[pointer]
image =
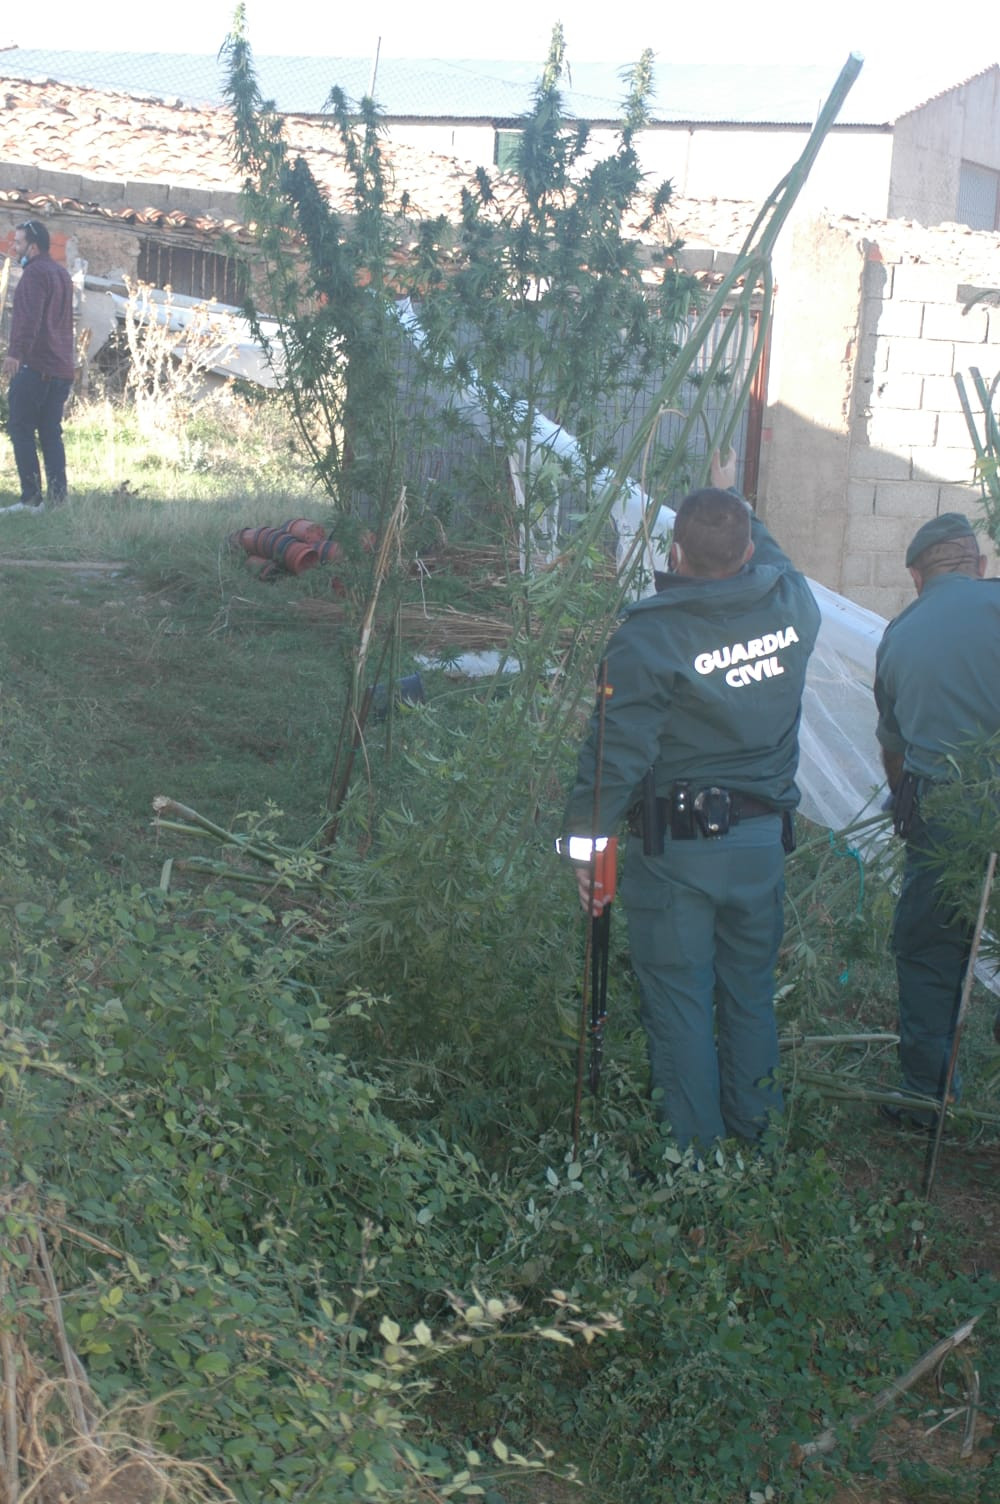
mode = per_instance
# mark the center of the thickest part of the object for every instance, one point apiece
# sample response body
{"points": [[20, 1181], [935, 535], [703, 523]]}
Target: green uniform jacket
{"points": [[704, 683], [937, 673]]}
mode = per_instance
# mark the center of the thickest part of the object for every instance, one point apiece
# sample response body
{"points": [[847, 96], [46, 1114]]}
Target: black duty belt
{"points": [[746, 807], [689, 811], [741, 806]]}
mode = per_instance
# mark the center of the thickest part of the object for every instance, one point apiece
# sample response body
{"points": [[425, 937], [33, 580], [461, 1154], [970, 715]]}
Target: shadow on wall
{"points": [[845, 510]]}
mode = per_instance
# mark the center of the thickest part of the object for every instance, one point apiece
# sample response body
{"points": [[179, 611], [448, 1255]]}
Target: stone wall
{"points": [[119, 194], [109, 239], [864, 434], [105, 221]]}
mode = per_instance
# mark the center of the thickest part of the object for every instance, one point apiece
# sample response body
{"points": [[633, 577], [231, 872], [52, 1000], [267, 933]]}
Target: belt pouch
{"points": [[682, 826]]}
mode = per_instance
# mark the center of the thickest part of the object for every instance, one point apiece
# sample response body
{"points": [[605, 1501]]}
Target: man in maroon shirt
{"points": [[39, 363]]}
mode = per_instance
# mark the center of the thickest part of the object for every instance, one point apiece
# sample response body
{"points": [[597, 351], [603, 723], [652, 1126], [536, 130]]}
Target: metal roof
{"points": [[457, 89]]}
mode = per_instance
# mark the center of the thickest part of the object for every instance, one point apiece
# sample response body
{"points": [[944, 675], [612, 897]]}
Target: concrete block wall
{"points": [[930, 144], [864, 435], [910, 453]]}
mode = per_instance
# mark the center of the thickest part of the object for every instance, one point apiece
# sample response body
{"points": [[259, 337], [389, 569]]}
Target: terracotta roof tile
{"points": [[111, 137]]}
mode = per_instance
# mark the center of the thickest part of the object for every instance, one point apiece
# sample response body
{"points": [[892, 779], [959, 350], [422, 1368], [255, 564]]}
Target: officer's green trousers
{"points": [[705, 921], [932, 949]]}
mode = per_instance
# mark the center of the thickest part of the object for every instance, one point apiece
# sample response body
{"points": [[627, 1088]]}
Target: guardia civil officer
{"points": [[937, 687], [701, 717]]}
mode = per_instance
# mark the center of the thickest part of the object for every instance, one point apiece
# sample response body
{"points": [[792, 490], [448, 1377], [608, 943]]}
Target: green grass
{"points": [[177, 672], [268, 1100]]}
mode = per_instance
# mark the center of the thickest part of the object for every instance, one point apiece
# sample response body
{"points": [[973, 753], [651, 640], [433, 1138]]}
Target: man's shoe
{"points": [[18, 506], [908, 1118], [37, 509]]}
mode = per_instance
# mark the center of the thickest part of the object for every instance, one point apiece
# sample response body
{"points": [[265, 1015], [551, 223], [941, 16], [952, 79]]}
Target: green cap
{"points": [[950, 525]]}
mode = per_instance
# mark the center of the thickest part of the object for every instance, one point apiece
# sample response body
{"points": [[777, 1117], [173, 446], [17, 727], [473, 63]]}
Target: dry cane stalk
{"points": [[390, 539], [81, 1399], [827, 1440], [963, 1008], [971, 1409], [10, 1482]]}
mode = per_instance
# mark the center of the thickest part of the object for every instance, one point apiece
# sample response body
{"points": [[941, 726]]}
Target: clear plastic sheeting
{"points": [[840, 768], [236, 354]]}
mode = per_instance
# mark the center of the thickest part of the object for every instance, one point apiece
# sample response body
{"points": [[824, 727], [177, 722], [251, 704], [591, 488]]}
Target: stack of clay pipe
{"points": [[291, 548]]}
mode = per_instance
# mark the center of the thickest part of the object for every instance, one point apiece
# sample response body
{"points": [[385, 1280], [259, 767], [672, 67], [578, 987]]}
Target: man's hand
{"points": [[722, 472], [583, 882], [11, 366], [893, 764]]}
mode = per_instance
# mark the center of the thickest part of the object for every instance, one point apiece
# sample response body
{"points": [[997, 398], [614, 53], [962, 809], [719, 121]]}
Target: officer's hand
{"points": [[11, 366], [723, 471], [583, 878]]}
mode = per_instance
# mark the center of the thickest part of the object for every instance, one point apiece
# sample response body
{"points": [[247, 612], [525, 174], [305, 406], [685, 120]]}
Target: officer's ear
{"points": [[748, 555], [917, 578], [675, 558], [981, 567]]}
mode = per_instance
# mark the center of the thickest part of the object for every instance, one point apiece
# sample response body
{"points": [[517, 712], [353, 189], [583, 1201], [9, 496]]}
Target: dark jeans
{"points": [[36, 407]]}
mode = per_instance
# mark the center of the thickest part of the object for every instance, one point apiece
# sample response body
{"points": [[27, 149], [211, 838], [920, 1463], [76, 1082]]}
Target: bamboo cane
{"points": [[963, 1008], [9, 1454]]}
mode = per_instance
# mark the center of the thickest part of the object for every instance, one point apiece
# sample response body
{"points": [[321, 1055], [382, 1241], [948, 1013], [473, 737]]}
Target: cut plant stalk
{"points": [[359, 702], [841, 1088], [987, 448], [963, 1009], [292, 867], [827, 1440]]}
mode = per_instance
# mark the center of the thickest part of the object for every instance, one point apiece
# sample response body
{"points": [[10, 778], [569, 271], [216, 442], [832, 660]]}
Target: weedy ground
{"points": [[303, 1145]]}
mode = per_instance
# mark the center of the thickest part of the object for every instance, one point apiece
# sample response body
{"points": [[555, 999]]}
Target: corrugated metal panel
{"points": [[978, 197]]}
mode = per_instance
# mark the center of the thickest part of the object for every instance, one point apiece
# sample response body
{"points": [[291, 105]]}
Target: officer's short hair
{"points": [[713, 529], [953, 556], [36, 233]]}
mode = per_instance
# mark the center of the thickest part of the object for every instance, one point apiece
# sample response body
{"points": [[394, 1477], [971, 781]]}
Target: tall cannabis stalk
{"points": [[535, 302], [541, 302], [325, 278]]}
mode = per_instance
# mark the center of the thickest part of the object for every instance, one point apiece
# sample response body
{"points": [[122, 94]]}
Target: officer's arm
{"points": [[722, 473], [766, 550], [893, 764], [636, 708]]}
